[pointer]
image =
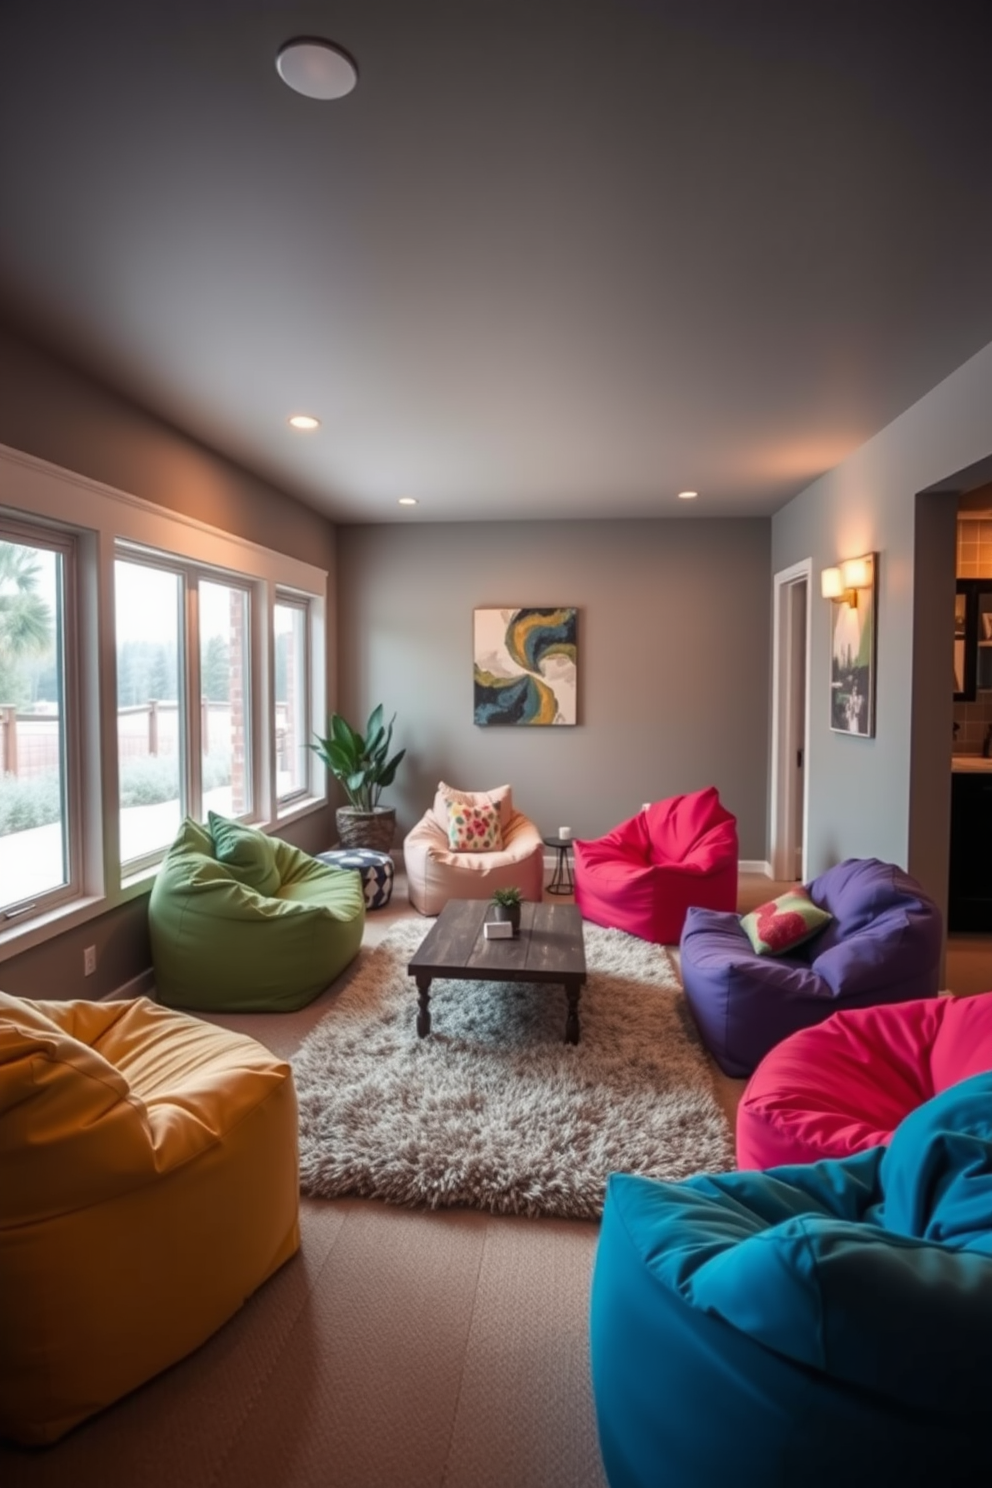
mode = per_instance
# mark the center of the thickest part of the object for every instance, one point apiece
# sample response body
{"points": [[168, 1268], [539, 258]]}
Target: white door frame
{"points": [[784, 739]]}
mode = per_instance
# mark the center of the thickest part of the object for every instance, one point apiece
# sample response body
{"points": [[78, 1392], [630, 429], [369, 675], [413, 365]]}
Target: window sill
{"points": [[16, 937], [307, 806], [25, 935]]}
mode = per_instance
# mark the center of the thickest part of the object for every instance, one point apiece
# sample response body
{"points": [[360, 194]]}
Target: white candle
{"points": [[564, 833]]}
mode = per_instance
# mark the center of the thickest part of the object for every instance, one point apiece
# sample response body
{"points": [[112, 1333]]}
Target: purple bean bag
{"points": [[882, 945]]}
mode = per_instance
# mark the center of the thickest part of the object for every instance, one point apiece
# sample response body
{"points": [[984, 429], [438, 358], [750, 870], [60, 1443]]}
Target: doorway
{"points": [[790, 720]]}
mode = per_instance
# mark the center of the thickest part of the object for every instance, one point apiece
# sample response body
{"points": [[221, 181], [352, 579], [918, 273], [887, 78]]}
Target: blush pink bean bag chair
{"points": [[844, 1085], [435, 872], [643, 876]]}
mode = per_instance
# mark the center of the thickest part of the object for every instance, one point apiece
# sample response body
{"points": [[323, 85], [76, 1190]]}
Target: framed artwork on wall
{"points": [[853, 626], [525, 666]]}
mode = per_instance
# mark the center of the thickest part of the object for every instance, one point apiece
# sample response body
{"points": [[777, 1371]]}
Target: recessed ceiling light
{"points": [[688, 495], [408, 501], [316, 68], [304, 421]]}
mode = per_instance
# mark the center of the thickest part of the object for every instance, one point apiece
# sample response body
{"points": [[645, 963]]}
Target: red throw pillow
{"points": [[782, 923]]}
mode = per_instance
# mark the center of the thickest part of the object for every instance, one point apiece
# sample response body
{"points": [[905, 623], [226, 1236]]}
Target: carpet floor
{"points": [[493, 1109]]}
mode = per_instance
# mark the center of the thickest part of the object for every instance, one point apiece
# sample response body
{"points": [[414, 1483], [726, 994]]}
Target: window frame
{"points": [[96, 518], [288, 599], [188, 780], [253, 751], [29, 533], [193, 575]]}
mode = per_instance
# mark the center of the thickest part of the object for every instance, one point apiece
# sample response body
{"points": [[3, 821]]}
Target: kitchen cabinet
{"points": [[969, 904], [972, 639]]}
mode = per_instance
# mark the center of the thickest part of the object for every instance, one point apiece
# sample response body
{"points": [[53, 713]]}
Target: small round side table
{"points": [[561, 879]]}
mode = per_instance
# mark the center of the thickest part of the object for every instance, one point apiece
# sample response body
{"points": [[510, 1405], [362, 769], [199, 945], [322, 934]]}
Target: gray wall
{"points": [[673, 661], [49, 410], [863, 792]]}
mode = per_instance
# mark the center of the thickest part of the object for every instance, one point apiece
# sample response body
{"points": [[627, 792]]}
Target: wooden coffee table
{"points": [[548, 949]]}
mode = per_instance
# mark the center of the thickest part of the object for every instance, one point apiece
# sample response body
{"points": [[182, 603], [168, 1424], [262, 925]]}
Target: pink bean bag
{"points": [[643, 876], [845, 1084]]}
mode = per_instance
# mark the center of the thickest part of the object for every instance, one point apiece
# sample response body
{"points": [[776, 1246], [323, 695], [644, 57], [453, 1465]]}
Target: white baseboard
{"points": [[744, 865]]}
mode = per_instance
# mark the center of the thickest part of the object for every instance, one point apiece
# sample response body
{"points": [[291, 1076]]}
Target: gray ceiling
{"points": [[552, 258]]}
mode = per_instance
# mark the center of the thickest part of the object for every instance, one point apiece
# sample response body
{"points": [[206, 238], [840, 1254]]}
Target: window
{"points": [[160, 734], [225, 712], [39, 809], [150, 722], [96, 774], [292, 697]]}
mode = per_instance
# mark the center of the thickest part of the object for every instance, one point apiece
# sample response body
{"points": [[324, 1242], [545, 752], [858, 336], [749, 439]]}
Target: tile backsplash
{"points": [[975, 549], [974, 719]]}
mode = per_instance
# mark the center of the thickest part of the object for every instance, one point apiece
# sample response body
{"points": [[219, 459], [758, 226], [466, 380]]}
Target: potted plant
{"points": [[362, 764], [506, 906]]}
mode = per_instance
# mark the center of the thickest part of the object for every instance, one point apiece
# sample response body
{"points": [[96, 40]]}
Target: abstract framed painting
{"points": [[853, 625], [525, 667]]}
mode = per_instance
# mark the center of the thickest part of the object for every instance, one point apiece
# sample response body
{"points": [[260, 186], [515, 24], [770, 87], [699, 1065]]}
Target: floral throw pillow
{"points": [[474, 828], [784, 922]]}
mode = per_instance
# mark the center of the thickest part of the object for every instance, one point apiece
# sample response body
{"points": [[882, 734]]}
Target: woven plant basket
{"points": [[374, 829]]}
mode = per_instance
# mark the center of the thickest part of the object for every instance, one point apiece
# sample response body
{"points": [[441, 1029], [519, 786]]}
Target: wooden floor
{"points": [[968, 968]]}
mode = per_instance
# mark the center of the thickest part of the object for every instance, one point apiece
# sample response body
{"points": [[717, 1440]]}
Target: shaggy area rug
{"points": [[493, 1110]]}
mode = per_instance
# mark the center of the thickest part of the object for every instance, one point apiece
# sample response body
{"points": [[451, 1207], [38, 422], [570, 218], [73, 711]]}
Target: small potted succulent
{"points": [[506, 906]]}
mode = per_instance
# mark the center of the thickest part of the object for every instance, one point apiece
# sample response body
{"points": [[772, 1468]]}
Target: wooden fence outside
{"points": [[29, 742]]}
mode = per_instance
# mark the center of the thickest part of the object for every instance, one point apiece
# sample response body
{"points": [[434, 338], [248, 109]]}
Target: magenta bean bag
{"points": [[643, 876], [845, 1084]]}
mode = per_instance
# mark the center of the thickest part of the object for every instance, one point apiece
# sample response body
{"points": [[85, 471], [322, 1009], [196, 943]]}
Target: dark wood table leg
{"points": [[572, 1017], [424, 1004], [561, 879]]}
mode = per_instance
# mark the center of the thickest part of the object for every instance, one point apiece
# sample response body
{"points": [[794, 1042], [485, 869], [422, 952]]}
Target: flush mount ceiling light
{"points": [[408, 501], [316, 68], [304, 421], [688, 495]]}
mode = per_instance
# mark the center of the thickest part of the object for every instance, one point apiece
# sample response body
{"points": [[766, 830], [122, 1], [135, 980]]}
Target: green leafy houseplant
{"points": [[364, 766], [506, 906], [360, 762], [507, 897]]}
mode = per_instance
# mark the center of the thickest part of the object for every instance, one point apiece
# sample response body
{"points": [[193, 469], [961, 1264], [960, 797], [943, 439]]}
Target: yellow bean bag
{"points": [[148, 1185]]}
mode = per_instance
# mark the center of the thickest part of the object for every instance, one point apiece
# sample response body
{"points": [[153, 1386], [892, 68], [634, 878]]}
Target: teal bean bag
{"points": [[807, 1327], [242, 922]]}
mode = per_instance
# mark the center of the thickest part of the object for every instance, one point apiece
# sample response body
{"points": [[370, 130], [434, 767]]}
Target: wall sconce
{"points": [[842, 584]]}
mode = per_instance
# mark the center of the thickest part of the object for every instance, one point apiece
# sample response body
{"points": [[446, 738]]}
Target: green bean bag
{"points": [[241, 922]]}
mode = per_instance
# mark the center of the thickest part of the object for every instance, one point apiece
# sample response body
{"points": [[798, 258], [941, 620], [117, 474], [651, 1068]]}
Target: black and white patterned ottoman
{"points": [[376, 869]]}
